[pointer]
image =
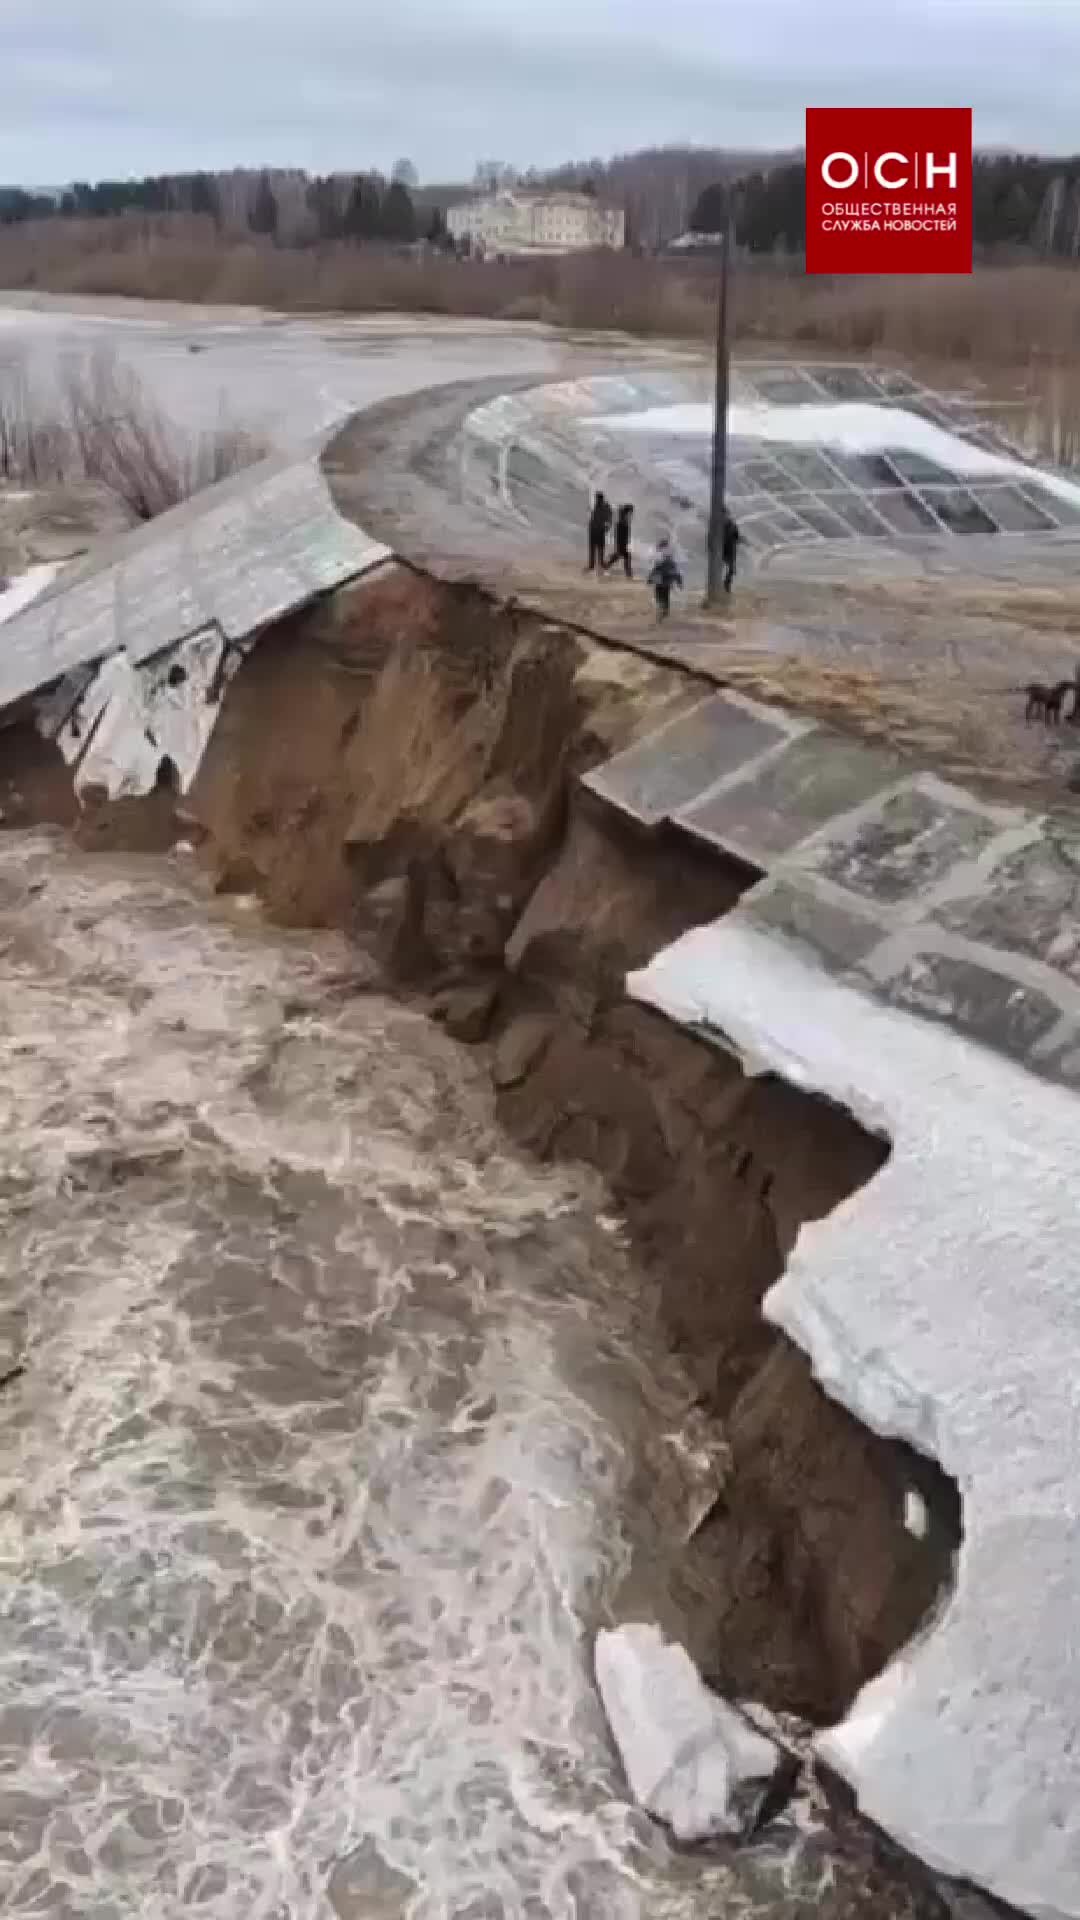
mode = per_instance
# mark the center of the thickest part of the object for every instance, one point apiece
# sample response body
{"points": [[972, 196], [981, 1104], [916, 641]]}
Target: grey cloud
{"points": [[115, 86]]}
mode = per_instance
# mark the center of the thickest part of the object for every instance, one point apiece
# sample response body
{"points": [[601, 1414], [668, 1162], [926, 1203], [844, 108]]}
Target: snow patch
{"points": [[851, 427], [940, 1305], [690, 1759]]}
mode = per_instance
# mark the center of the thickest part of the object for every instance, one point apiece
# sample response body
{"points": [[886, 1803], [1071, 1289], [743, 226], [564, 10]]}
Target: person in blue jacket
{"points": [[663, 576]]}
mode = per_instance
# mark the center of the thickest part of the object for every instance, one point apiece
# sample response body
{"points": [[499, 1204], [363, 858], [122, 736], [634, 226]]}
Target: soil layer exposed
{"points": [[401, 761], [428, 800]]}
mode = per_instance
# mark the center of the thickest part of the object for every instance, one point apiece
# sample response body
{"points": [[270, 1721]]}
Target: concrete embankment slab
{"points": [[658, 776], [913, 889], [237, 555]]}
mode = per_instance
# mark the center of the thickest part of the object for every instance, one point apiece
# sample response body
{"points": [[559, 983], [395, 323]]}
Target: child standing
{"points": [[663, 576]]}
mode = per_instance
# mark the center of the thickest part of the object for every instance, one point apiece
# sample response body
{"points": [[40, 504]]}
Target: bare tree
{"points": [[34, 445], [119, 439]]}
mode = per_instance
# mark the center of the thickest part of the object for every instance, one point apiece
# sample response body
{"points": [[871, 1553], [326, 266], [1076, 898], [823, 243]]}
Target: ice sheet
{"points": [[941, 1305]]}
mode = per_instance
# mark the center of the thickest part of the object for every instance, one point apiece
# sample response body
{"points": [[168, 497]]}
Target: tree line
{"points": [[290, 207], [656, 188], [1019, 201]]}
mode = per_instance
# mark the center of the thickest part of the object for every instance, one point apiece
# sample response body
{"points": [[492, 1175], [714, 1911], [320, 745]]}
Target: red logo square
{"points": [[888, 190]]}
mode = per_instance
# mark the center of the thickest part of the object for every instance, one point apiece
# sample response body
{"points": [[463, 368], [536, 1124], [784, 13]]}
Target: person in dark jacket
{"points": [[599, 528], [730, 550], [622, 542], [663, 576]]}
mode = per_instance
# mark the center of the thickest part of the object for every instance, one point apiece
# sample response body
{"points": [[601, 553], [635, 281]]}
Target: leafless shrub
{"points": [[103, 427], [126, 444], [34, 447]]}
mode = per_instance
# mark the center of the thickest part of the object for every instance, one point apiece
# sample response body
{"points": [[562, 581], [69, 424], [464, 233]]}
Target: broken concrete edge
{"points": [[691, 1759], [123, 727], [124, 720], [239, 555], [904, 884], [950, 1325]]}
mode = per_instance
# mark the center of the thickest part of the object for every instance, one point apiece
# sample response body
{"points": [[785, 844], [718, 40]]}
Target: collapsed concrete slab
{"points": [[961, 910], [136, 644], [690, 1759], [121, 726], [940, 1305]]}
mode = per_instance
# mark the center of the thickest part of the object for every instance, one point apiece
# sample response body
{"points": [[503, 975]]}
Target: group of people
{"points": [[665, 574]]}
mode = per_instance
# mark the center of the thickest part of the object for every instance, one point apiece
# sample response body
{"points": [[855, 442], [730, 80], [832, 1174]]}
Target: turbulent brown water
{"points": [[338, 1428]]}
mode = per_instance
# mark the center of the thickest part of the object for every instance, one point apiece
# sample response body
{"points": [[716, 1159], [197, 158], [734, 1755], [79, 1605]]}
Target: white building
{"points": [[519, 221]]}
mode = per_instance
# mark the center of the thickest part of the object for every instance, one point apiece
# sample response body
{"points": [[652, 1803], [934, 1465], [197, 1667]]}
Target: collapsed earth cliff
{"points": [[402, 760]]}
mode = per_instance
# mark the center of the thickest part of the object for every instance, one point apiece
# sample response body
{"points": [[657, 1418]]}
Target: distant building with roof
{"points": [[535, 221]]}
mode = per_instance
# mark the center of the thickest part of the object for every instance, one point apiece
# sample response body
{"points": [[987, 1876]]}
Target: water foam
{"points": [[314, 1488]]}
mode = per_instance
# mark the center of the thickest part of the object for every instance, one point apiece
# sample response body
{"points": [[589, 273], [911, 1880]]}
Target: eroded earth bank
{"points": [[398, 766]]}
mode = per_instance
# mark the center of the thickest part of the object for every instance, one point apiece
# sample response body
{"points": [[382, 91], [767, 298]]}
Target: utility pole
{"points": [[720, 421]]}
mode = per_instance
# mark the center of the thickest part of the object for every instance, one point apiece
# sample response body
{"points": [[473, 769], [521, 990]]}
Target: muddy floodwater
{"points": [[285, 377], [336, 1428]]}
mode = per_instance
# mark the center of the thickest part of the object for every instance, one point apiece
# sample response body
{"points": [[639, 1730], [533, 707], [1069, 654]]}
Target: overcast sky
{"points": [[114, 87]]}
